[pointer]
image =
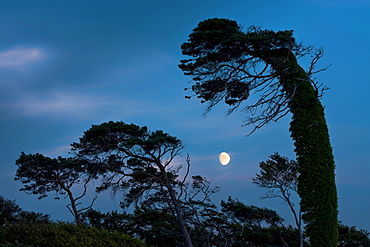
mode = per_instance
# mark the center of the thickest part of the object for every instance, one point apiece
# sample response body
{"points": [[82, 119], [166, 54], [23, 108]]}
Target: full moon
{"points": [[224, 158]]}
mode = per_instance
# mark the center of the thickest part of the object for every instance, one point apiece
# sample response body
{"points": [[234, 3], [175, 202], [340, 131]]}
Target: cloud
{"points": [[56, 103], [58, 151], [75, 105], [18, 57]]}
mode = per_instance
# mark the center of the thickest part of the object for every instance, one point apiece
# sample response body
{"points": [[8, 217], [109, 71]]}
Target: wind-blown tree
{"points": [[127, 154], [42, 175], [229, 64], [280, 176]]}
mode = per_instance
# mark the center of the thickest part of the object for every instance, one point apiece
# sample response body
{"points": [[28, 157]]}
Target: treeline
{"points": [[234, 225]]}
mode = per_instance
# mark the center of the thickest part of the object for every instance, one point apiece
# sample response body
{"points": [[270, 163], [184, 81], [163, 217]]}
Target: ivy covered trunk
{"points": [[310, 134]]}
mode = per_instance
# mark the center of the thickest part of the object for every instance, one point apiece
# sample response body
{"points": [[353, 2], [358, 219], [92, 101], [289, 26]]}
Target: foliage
{"points": [[111, 221], [351, 237], [11, 213], [157, 227], [62, 234], [277, 173], [8, 211], [228, 64], [41, 175], [250, 214], [32, 217], [154, 221], [235, 225]]}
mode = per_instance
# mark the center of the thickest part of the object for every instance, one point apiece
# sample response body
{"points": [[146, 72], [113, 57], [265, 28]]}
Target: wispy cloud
{"points": [[74, 105], [58, 151], [20, 56], [56, 103]]}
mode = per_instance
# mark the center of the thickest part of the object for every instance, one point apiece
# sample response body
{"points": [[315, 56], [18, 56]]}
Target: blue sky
{"points": [[65, 65]]}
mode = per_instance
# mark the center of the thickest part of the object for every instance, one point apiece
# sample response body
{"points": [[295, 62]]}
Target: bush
{"points": [[63, 234]]}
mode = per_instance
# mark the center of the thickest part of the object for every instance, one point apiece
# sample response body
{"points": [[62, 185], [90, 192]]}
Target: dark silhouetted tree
{"points": [[11, 214], [8, 211], [41, 175], [132, 157], [229, 64], [351, 237], [255, 226], [280, 176]]}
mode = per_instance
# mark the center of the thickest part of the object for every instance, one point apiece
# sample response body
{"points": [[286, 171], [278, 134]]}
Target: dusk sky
{"points": [[65, 65]]}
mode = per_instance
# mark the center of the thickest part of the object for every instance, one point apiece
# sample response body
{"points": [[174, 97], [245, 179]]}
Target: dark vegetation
{"points": [[136, 164], [162, 208]]}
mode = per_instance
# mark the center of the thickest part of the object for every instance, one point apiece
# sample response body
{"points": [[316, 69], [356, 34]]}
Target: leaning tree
{"points": [[133, 157], [228, 64]]}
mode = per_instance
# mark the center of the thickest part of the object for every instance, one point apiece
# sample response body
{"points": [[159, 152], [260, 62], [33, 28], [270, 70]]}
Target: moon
{"points": [[224, 158]]}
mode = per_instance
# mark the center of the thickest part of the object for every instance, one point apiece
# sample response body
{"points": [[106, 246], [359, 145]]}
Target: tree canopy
{"points": [[41, 175], [228, 64], [133, 157]]}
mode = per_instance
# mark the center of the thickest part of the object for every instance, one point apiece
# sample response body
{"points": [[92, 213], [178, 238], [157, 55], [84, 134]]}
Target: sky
{"points": [[66, 65]]}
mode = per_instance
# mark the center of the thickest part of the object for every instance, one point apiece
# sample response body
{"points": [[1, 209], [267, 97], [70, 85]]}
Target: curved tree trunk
{"points": [[176, 206], [316, 183], [179, 214], [74, 210]]}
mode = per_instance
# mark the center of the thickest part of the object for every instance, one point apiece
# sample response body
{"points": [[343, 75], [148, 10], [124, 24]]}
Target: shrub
{"points": [[63, 234]]}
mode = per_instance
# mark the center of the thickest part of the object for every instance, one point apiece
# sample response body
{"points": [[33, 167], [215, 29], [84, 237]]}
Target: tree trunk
{"points": [[74, 210], [177, 207], [316, 183], [300, 230], [179, 214]]}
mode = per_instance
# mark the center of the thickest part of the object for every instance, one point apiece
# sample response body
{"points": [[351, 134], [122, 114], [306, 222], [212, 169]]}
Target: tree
{"points": [[11, 214], [280, 176], [228, 64], [201, 213], [118, 150], [8, 211], [254, 226], [33, 217], [351, 237], [250, 214], [153, 220], [42, 175]]}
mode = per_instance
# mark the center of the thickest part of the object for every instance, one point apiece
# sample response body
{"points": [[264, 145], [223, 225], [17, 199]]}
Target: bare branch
{"points": [[182, 183]]}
